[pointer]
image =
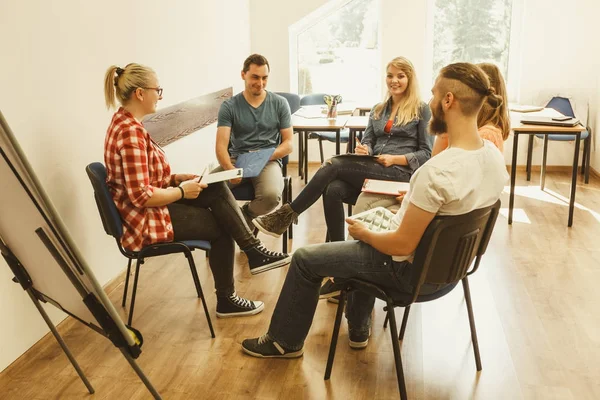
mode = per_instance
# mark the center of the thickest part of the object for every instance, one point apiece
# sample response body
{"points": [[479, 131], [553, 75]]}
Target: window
{"points": [[475, 31], [336, 51]]}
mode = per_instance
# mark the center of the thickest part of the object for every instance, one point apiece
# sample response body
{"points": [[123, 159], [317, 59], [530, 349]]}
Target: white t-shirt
{"points": [[455, 182]]}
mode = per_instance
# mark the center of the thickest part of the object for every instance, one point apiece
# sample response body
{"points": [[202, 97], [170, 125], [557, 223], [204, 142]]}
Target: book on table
{"points": [[392, 188]]}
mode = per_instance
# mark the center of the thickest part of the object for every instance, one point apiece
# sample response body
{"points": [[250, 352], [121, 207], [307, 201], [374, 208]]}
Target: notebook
{"points": [[552, 121], [377, 219], [253, 162], [385, 187], [222, 176]]}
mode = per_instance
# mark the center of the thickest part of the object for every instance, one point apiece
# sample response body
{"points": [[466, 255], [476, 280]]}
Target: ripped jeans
{"points": [[340, 180]]}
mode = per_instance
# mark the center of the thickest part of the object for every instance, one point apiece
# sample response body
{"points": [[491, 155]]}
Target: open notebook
{"points": [[392, 188]]}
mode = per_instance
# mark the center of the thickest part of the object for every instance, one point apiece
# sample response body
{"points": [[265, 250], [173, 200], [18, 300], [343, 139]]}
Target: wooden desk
{"points": [[355, 124], [304, 125], [525, 129]]}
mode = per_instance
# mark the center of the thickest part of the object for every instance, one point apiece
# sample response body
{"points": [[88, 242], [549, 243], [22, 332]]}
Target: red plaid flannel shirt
{"points": [[135, 165]]}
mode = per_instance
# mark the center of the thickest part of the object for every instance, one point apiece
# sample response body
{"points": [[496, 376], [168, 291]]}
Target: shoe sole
{"points": [[358, 345], [278, 264], [332, 300], [263, 230], [243, 313], [330, 295], [294, 354]]}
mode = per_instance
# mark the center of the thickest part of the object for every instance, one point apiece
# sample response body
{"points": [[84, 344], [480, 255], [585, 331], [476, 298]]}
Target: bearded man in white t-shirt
{"points": [[469, 175]]}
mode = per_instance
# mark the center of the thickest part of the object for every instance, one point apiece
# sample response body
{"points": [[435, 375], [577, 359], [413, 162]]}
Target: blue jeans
{"points": [[299, 296]]}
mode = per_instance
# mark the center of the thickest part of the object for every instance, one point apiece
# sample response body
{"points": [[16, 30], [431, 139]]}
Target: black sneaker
{"points": [[260, 259], [358, 340], [235, 306], [330, 289], [265, 347]]}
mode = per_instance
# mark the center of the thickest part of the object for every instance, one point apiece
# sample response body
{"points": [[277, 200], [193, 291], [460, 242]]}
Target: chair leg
{"points": [[199, 290], [465, 283], [321, 151], [396, 347], [584, 157], [126, 283], [194, 272], [284, 200], [334, 336], [529, 156], [133, 293], [349, 210], [387, 318], [404, 322]]}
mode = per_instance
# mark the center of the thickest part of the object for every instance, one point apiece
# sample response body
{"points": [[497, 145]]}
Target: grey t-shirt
{"points": [[254, 128]]}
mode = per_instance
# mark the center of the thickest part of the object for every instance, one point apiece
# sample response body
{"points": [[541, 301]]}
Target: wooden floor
{"points": [[536, 307]]}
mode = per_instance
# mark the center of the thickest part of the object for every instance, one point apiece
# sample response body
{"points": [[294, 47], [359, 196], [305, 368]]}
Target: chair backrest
{"points": [[293, 100], [313, 99], [450, 244], [562, 105], [111, 219]]}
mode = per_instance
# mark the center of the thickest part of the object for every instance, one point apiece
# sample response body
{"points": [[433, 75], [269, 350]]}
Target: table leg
{"points": [[337, 142], [352, 140], [574, 179], [305, 158], [300, 154], [529, 156], [513, 177], [544, 160]]}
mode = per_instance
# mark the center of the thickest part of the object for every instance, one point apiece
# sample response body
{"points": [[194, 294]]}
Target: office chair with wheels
{"points": [[443, 257], [113, 226]]}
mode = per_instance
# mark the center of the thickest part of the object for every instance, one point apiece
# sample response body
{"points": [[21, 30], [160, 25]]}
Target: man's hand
{"points": [[357, 229], [235, 181]]}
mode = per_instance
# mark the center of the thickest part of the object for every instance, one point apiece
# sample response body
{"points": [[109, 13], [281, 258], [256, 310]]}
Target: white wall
{"points": [[547, 25], [54, 55]]}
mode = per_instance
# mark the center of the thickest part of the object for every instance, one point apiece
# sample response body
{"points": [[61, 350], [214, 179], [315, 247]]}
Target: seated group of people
{"points": [[466, 173]]}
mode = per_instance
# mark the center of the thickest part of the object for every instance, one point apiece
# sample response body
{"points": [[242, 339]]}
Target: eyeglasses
{"points": [[159, 90]]}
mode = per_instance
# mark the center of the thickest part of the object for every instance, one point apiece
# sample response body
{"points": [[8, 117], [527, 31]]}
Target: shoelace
{"points": [[264, 339], [240, 301], [268, 252]]}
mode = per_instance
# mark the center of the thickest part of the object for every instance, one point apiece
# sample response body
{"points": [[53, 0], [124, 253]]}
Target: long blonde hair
{"points": [[498, 116], [410, 106], [120, 83]]}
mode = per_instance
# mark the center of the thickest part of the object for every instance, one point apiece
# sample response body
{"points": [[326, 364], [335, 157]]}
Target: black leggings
{"points": [[214, 216], [340, 180]]}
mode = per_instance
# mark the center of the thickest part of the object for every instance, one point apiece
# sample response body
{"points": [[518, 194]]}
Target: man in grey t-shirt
{"points": [[252, 120]]}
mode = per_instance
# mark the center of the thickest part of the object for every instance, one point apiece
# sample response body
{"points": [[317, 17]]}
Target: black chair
{"points": [[315, 99], [245, 192], [442, 258], [111, 220], [563, 106]]}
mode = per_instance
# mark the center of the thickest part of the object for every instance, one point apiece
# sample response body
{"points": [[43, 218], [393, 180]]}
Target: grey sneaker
{"points": [[265, 347], [277, 222]]}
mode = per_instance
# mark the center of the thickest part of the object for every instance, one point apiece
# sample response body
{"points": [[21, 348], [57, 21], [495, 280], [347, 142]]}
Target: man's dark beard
{"points": [[436, 124]]}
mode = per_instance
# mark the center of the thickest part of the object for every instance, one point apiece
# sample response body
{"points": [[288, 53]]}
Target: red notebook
{"points": [[392, 188]]}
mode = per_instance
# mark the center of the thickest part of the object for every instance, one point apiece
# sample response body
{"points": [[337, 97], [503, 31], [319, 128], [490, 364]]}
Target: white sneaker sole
{"points": [[243, 313], [358, 345], [263, 230], [277, 264], [294, 354], [330, 295]]}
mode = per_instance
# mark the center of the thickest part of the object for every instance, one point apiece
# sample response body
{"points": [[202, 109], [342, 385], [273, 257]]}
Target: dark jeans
{"points": [[340, 180], [214, 216], [298, 299]]}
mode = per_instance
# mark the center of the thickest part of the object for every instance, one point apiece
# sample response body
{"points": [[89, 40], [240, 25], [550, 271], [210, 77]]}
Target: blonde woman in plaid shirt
{"points": [[158, 206]]}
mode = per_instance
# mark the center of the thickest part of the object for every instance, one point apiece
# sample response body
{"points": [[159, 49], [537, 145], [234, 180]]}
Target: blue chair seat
{"points": [[330, 136], [565, 138]]}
